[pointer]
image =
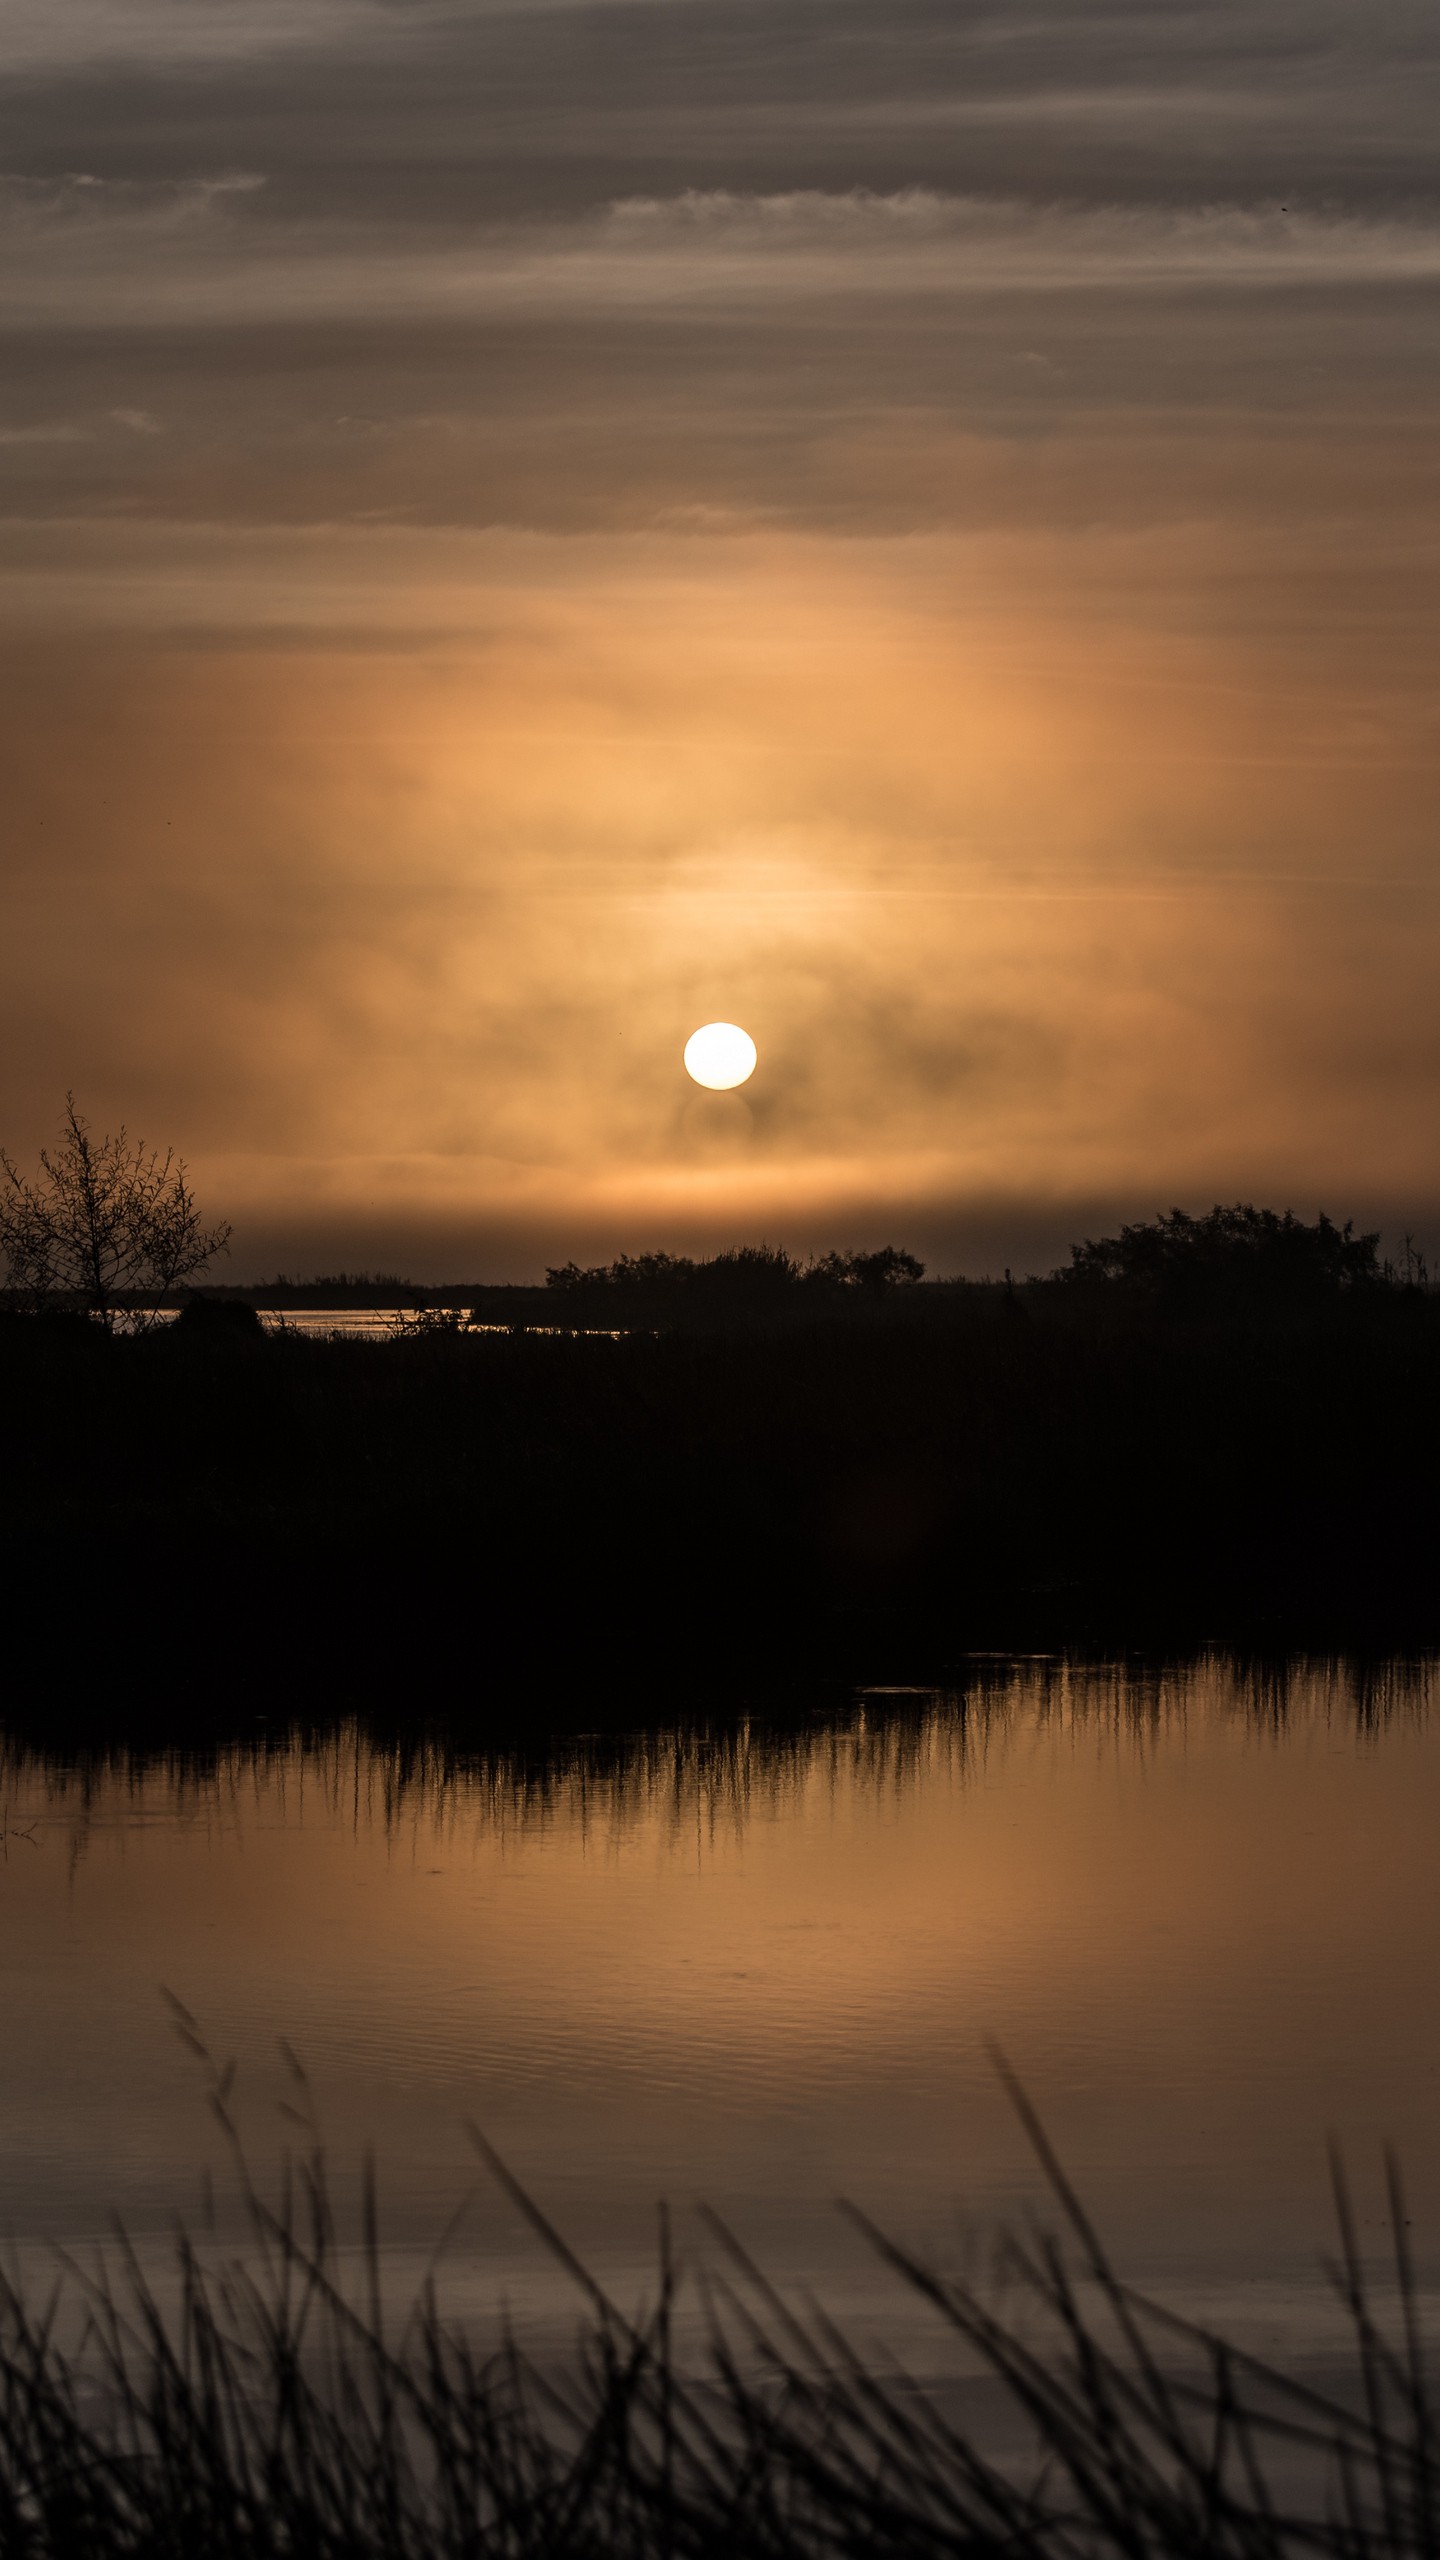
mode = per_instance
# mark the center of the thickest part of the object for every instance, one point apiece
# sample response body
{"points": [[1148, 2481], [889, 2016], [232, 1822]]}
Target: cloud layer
{"points": [[911, 527]]}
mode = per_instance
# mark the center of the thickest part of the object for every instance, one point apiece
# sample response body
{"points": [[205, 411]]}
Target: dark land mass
{"points": [[725, 1482]]}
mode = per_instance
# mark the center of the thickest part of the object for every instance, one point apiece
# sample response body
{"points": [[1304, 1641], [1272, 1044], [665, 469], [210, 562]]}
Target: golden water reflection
{"points": [[1199, 1909]]}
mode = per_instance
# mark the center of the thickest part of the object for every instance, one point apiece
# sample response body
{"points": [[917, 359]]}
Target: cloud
{"points": [[927, 240], [80, 252], [528, 527], [75, 196], [60, 431], [169, 32]]}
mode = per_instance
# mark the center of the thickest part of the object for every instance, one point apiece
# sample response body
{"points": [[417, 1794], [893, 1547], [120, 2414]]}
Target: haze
{"points": [[909, 528]]}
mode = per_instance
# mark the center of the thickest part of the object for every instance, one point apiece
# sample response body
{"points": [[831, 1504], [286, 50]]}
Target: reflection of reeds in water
{"points": [[705, 1771], [277, 2408]]}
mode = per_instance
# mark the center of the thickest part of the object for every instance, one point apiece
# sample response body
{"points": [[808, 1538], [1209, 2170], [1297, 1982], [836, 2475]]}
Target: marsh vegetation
{"points": [[269, 2406]]}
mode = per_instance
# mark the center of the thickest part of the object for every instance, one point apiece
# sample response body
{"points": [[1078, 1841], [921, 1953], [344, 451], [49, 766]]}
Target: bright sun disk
{"points": [[720, 1055]]}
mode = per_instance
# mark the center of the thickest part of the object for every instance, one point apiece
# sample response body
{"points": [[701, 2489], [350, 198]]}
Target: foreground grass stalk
{"points": [[268, 2413]]}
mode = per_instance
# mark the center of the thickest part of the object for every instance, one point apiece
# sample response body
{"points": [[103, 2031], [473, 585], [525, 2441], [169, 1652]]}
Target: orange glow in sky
{"points": [[948, 587]]}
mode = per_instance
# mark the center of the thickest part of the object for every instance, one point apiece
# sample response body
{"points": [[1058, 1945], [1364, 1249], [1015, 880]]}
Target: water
{"points": [[1200, 1913], [364, 1324], [370, 1324], [377, 1324]]}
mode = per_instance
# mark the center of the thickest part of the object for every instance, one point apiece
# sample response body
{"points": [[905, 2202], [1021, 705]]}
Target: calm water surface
{"points": [[1200, 1913]]}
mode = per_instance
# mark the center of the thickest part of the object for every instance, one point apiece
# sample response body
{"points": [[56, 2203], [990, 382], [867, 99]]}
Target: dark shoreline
{"points": [[453, 1519]]}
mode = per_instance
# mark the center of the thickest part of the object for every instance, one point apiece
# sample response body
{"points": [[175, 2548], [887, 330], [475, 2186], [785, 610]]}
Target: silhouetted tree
{"points": [[748, 1272], [632, 1271], [106, 1221], [1234, 1254], [889, 1267], [744, 1271]]}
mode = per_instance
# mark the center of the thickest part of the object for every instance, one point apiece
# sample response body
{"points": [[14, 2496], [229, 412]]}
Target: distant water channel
{"points": [[1199, 1911], [381, 1324]]}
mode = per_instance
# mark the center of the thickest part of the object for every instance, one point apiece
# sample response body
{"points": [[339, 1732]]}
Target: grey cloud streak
{"points": [[93, 252], [425, 114], [560, 265]]}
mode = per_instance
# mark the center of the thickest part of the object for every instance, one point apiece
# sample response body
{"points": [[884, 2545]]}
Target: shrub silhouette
{"points": [[888, 1268], [745, 1268], [1230, 1257], [218, 1320], [748, 1280]]}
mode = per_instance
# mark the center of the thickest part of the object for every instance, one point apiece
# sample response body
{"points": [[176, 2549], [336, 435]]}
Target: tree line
{"points": [[111, 1225]]}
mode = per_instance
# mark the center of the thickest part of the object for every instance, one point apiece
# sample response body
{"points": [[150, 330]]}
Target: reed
{"points": [[274, 2408]]}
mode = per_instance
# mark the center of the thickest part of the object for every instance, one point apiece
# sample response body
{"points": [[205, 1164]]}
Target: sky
{"points": [[909, 527]]}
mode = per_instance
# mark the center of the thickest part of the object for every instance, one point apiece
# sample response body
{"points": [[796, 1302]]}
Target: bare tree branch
{"points": [[108, 1220]]}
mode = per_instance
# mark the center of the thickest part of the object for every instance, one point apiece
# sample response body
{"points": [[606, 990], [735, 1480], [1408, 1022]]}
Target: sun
{"points": [[720, 1055]]}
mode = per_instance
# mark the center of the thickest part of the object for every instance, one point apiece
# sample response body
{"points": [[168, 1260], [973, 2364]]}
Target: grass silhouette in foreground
{"points": [[275, 2411]]}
